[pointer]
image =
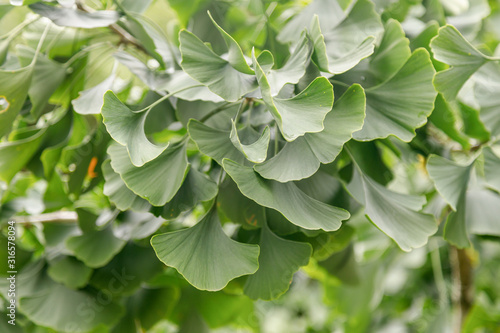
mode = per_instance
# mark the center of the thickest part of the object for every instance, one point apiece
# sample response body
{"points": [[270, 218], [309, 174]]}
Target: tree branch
{"points": [[55, 217]]}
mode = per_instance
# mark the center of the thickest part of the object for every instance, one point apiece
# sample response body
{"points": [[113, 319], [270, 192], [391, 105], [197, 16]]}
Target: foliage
{"points": [[190, 161]]}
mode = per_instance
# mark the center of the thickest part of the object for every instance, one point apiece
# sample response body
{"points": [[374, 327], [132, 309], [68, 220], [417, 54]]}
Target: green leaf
{"points": [[213, 142], [90, 101], [70, 272], [156, 181], [69, 17], [450, 47], [486, 86], [392, 53], [119, 193], [301, 158], [450, 178], [197, 187], [204, 255], [286, 198], [279, 259], [401, 104], [127, 128], [491, 168], [256, 151], [444, 118], [235, 55], [354, 36], [455, 230], [341, 63], [482, 211], [15, 154], [128, 270], [136, 225], [95, 248], [47, 76], [395, 214], [14, 87], [329, 13], [302, 113], [201, 63], [67, 310]]}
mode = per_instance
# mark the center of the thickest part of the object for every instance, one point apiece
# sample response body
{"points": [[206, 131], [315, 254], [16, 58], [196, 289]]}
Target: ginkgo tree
{"points": [[178, 166]]}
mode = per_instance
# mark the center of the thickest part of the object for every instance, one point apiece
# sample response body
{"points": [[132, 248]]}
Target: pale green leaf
{"points": [[119, 193], [482, 210], [450, 47], [69, 17], [279, 259], [393, 213], [286, 198], [255, 151], [302, 113], [14, 87], [127, 128], [156, 181], [204, 255], [401, 104], [451, 179], [213, 142], [302, 157], [491, 168], [201, 63], [90, 101]]}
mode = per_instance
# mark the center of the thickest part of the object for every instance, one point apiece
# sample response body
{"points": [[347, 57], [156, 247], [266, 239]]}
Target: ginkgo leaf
{"points": [[302, 113], [301, 158], [213, 142], [350, 34], [95, 248], [395, 214], [47, 76], [401, 104], [201, 63], [491, 168], [14, 87], [119, 193], [279, 259], [70, 272], [339, 63], [15, 154], [90, 101], [256, 151], [69, 17], [197, 187], [204, 255], [455, 230], [127, 128], [235, 55], [486, 86], [60, 308], [482, 211], [156, 181], [286, 198], [293, 70], [451, 179], [450, 47], [392, 52]]}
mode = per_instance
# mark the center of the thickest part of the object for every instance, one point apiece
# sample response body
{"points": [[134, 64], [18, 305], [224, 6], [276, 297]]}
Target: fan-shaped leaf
{"points": [[256, 151], [279, 259], [302, 157], [156, 181], [401, 104], [286, 198], [204, 255]]}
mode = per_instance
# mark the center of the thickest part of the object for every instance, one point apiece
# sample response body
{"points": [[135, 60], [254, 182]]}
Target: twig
{"points": [[463, 288], [55, 217]]}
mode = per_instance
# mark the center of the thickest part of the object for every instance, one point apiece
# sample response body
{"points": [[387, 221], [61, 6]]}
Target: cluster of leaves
{"points": [[223, 145]]}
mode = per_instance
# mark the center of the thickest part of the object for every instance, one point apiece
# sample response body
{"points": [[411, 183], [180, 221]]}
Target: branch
{"points": [[463, 287], [55, 217]]}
